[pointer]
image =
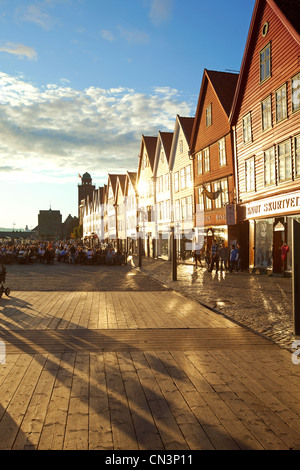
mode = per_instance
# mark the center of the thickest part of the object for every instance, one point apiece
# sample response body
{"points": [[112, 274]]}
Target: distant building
{"points": [[86, 188], [50, 224]]}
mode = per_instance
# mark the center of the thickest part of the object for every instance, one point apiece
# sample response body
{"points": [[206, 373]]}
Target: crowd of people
{"points": [[60, 252], [219, 257]]}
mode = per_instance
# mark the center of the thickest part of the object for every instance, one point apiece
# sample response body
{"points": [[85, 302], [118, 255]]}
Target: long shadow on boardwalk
{"points": [[70, 395]]}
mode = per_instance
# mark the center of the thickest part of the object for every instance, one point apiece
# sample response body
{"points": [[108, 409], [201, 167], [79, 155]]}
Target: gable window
{"points": [[285, 161], [296, 92], [181, 146], [162, 156], [206, 160], [281, 108], [247, 131], [269, 166], [265, 63], [250, 174], [222, 152], [297, 156], [200, 163], [208, 116], [266, 114]]}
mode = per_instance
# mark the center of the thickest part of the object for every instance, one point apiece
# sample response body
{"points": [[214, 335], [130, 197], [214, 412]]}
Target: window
{"points": [[269, 167], [177, 209], [285, 161], [250, 174], [189, 213], [176, 182], [188, 176], [182, 178], [183, 208], [206, 160], [266, 114], [223, 197], [167, 209], [162, 156], [265, 63], [200, 200], [281, 109], [297, 156], [296, 92], [222, 152], [208, 202], [167, 182], [181, 146], [200, 163], [208, 116], [247, 132]]}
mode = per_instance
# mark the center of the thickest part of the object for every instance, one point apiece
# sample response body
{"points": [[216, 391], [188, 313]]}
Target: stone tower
{"points": [[86, 188]]}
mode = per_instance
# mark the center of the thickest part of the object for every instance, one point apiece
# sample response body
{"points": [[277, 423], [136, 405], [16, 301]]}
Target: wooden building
{"points": [[266, 119], [145, 184], [162, 201], [212, 151]]}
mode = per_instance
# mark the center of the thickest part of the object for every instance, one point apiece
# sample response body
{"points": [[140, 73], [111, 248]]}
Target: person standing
{"points": [[214, 256], [224, 255], [233, 258], [284, 251]]}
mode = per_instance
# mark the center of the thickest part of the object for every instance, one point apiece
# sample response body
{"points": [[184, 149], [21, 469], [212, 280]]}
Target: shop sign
{"points": [[279, 227], [230, 214], [269, 207]]}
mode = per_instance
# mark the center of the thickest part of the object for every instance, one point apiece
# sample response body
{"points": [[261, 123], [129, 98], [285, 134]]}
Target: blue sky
{"points": [[82, 80]]}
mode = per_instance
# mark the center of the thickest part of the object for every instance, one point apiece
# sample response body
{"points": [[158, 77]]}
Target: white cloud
{"points": [[107, 35], [36, 14], [53, 131], [161, 11], [19, 50]]}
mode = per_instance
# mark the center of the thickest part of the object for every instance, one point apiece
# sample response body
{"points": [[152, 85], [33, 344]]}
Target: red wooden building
{"points": [[212, 151], [266, 120]]}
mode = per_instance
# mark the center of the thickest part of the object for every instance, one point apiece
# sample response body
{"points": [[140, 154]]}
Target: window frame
{"points": [[297, 76], [285, 157], [250, 176], [222, 152], [208, 115], [280, 101], [206, 160], [266, 113], [200, 163], [271, 161], [297, 156], [263, 62], [247, 119]]}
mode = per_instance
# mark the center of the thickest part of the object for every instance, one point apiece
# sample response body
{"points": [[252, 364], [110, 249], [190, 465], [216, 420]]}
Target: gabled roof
{"points": [[167, 138], [164, 140], [132, 177], [186, 124], [149, 143], [121, 181], [224, 85], [113, 180], [288, 11]]}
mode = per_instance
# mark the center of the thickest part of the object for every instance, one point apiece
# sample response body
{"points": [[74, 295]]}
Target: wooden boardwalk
{"points": [[139, 371]]}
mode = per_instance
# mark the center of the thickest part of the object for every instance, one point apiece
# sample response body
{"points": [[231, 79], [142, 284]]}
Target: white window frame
{"points": [[206, 158], [265, 63], [284, 161], [281, 103], [269, 167], [250, 174], [222, 151], [266, 113], [295, 85], [247, 128]]}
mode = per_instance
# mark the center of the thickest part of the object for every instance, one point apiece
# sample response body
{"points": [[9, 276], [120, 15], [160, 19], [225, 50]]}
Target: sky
{"points": [[82, 80]]}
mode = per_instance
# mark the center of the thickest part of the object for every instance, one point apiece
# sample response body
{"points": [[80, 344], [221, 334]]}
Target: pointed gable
{"points": [[217, 88], [288, 13], [148, 147], [187, 124]]}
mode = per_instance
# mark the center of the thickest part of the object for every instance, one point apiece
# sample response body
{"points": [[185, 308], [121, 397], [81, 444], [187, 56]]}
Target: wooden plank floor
{"points": [[139, 370]]}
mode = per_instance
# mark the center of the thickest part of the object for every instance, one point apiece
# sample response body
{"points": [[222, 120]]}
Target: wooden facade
{"points": [[266, 118], [212, 150]]}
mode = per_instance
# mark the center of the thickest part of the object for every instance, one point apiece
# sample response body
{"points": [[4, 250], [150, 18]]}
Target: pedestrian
{"points": [[224, 255], [233, 258], [197, 256], [284, 251], [214, 256]]}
